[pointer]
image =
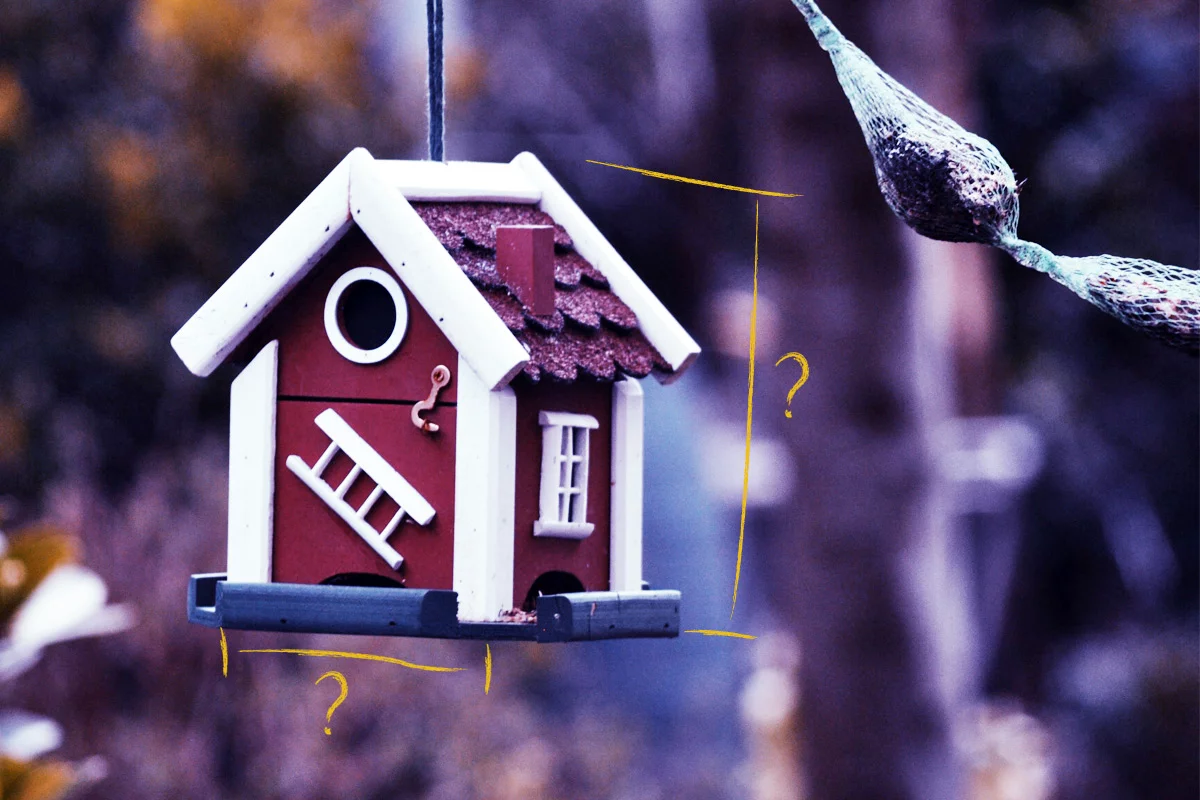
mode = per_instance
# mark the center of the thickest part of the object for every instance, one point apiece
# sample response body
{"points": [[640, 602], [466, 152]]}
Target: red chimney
{"points": [[525, 261]]}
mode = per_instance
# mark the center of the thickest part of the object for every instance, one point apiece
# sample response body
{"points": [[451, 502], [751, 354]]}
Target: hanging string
{"points": [[437, 92]]}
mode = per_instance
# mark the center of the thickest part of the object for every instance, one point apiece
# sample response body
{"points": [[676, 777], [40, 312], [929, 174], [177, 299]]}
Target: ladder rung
{"points": [[348, 481], [391, 526], [325, 458], [343, 510], [365, 508]]}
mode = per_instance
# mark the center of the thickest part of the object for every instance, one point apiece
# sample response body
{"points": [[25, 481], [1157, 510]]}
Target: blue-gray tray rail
{"points": [[430, 613]]}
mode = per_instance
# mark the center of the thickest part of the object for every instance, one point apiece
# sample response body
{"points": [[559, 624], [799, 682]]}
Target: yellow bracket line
{"points": [[487, 670], [737, 575], [360, 657], [669, 177], [224, 655], [730, 634]]}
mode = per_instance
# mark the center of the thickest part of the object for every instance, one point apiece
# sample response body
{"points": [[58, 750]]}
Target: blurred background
{"points": [[972, 553]]}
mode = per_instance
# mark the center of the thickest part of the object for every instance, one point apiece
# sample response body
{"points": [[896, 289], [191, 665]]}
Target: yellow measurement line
{"points": [[359, 656], [730, 634], [737, 575], [487, 670], [669, 177]]}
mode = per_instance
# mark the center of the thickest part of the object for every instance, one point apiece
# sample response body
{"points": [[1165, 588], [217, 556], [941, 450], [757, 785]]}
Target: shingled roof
{"points": [[591, 332], [606, 323]]}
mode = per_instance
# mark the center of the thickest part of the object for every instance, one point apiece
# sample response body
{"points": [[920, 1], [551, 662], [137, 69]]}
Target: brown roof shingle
{"points": [[591, 332]]}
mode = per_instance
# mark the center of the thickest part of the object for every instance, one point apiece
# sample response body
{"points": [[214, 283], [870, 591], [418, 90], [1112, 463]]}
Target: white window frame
{"points": [[333, 326], [566, 451]]}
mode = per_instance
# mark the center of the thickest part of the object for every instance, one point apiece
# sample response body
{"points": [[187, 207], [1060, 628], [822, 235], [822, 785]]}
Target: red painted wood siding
{"points": [[586, 559], [310, 367], [310, 542]]}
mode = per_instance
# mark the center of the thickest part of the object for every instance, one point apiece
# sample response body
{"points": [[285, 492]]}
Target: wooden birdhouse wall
{"points": [[311, 543], [310, 367], [587, 559]]}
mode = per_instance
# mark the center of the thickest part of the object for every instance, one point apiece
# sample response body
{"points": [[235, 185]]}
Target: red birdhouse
{"points": [[438, 427]]}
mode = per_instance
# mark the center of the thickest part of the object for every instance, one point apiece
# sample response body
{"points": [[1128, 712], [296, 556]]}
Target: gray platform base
{"points": [[431, 613], [587, 616]]}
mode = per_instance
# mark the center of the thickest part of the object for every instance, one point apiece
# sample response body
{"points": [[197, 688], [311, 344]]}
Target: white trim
{"points": [[273, 270], [333, 327], [459, 180], [433, 278], [566, 418], [484, 496], [563, 499], [252, 468], [563, 530], [625, 521], [655, 322]]}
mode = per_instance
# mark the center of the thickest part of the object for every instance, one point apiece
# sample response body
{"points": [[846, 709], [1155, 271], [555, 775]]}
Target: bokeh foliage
{"points": [[145, 147]]}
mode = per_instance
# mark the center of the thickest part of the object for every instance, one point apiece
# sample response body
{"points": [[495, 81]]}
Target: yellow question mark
{"points": [[345, 690], [787, 412]]}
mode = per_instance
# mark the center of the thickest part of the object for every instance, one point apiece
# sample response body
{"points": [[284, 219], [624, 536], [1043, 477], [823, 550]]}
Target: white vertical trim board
{"points": [[252, 468], [625, 566], [484, 496], [272, 271], [655, 322], [433, 278]]}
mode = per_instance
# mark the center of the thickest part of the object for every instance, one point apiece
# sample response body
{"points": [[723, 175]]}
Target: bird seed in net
{"points": [[1157, 299], [947, 183]]}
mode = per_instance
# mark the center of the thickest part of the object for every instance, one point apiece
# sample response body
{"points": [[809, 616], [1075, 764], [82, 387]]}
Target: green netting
{"points": [[947, 183]]}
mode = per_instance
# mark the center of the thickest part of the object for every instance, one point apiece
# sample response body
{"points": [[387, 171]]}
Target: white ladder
{"points": [[366, 460]]}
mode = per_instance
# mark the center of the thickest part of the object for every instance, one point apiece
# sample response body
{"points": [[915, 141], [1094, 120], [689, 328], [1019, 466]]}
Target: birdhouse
{"points": [[437, 425]]}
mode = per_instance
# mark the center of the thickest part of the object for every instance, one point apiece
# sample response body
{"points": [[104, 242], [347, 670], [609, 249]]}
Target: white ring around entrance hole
{"points": [[333, 327]]}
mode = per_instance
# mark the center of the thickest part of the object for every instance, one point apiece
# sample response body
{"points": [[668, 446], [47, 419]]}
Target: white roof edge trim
{"points": [[657, 324], [459, 180], [263, 279], [433, 277]]}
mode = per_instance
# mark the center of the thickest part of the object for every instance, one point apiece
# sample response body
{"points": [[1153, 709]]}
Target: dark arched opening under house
{"points": [[553, 582], [362, 579]]}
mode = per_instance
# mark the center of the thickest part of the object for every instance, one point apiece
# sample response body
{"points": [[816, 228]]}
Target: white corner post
{"points": [[484, 496], [625, 570], [252, 468]]}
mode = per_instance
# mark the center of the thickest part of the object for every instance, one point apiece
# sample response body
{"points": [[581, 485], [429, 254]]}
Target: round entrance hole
{"points": [[367, 313]]}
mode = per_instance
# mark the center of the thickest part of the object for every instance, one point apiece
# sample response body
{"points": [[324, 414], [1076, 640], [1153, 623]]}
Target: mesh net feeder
{"points": [[947, 183]]}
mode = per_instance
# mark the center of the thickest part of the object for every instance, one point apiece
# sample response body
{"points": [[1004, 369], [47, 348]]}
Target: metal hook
{"points": [[440, 377]]}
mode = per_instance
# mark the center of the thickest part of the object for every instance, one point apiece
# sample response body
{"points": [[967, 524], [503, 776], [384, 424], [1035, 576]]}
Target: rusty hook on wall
{"points": [[440, 377]]}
